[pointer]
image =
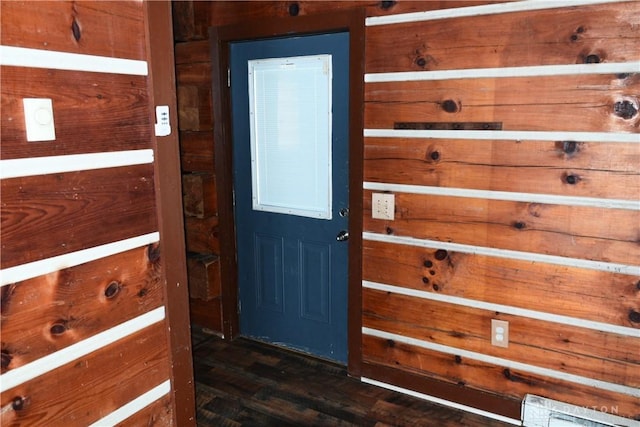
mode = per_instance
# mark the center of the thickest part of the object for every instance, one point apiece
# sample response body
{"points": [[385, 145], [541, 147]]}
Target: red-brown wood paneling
{"points": [[588, 353], [586, 102], [91, 387], [599, 169], [204, 276], [193, 52], [570, 291], [48, 313], [48, 214], [196, 151], [543, 37], [93, 112], [193, 68], [171, 227], [75, 210], [202, 235], [569, 231], [230, 12], [568, 103], [470, 374], [158, 413], [105, 28], [199, 195], [207, 314]]}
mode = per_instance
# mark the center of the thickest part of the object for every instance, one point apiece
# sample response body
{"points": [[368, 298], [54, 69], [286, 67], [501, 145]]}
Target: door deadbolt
{"points": [[342, 236]]}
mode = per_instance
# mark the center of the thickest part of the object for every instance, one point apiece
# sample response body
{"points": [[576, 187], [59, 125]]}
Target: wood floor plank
{"points": [[248, 383]]}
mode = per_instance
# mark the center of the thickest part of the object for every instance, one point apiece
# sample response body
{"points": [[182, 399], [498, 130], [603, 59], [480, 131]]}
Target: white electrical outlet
{"points": [[499, 333], [383, 206]]}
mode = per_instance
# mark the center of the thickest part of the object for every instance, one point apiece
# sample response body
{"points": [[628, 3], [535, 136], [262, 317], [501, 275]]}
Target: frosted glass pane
{"points": [[290, 116]]}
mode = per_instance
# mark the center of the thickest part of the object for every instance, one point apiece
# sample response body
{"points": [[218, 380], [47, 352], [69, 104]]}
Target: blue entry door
{"points": [[291, 190]]}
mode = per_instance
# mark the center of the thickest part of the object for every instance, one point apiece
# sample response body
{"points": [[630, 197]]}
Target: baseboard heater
{"points": [[541, 412]]}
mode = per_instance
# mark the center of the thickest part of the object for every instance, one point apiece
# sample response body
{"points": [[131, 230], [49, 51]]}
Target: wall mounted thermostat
{"points": [[38, 119]]}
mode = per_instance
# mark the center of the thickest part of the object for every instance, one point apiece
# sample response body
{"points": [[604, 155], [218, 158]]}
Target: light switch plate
{"points": [[383, 206], [38, 119], [163, 126]]}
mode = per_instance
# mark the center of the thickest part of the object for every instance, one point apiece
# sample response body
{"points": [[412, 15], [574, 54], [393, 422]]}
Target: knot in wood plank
{"points": [[441, 254], [58, 328], [387, 4], [18, 403], [112, 289], [294, 9], [75, 30], [592, 59], [6, 359], [569, 147], [451, 106], [153, 253], [571, 179], [575, 36], [625, 109]]}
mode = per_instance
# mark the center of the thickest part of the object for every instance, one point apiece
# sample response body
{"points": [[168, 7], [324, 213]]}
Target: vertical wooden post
{"points": [[169, 202]]}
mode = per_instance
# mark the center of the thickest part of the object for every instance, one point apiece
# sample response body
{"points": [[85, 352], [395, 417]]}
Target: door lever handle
{"points": [[342, 236]]}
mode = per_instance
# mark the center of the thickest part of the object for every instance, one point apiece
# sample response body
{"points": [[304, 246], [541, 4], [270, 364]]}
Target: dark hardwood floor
{"points": [[246, 383]]}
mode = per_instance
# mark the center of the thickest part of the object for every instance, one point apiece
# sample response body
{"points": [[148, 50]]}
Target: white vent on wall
{"points": [[541, 412]]}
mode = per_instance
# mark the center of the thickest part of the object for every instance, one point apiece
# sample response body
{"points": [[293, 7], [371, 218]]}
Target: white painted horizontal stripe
{"points": [[442, 402], [513, 135], [499, 361], [45, 266], [50, 362], [633, 205], [490, 9], [530, 71], [39, 58], [134, 406], [515, 311], [31, 166], [506, 253]]}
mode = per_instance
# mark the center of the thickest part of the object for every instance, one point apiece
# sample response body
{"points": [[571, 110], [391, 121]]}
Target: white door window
{"points": [[290, 120]]}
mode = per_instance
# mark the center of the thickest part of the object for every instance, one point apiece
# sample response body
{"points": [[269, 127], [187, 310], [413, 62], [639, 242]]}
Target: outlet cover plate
{"points": [[500, 333], [383, 206]]}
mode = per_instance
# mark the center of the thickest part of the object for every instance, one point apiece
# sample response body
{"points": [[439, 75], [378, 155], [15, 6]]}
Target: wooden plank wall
{"points": [[532, 224], [83, 307], [193, 74], [535, 222]]}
